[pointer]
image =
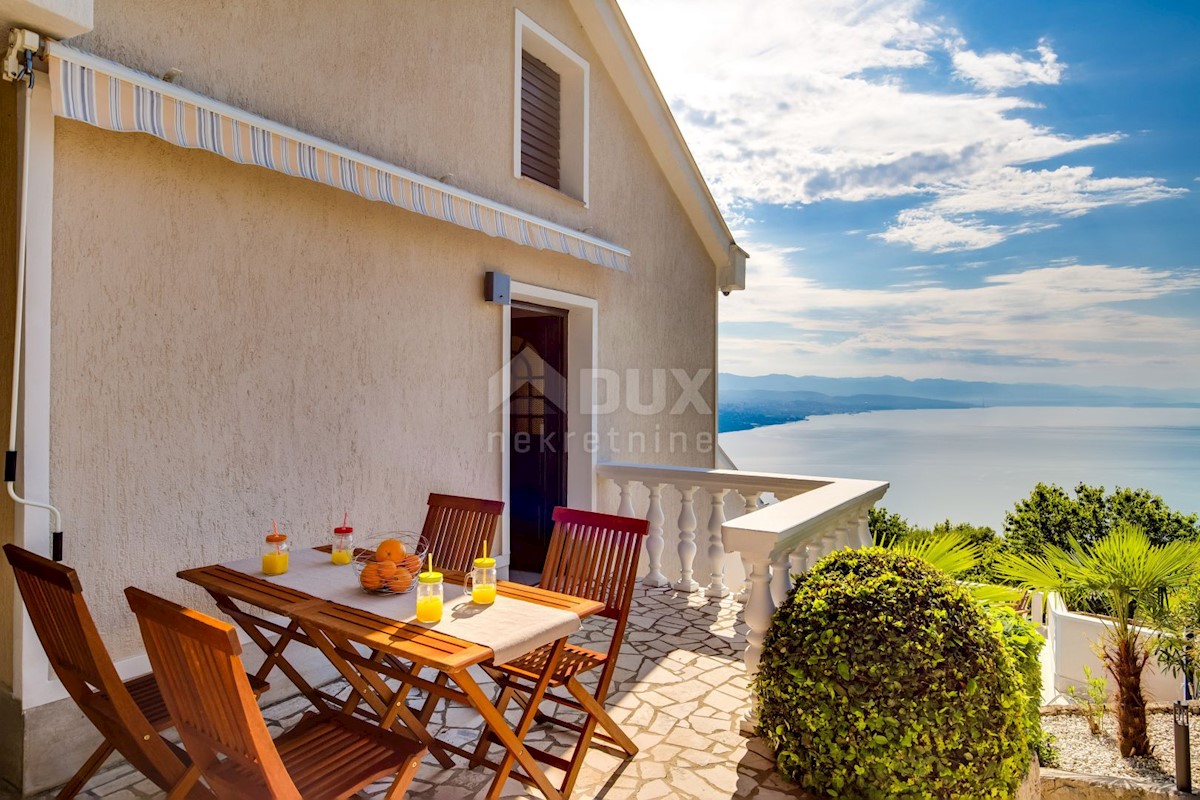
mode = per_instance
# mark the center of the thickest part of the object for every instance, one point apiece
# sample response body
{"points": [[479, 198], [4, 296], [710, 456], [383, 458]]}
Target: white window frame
{"points": [[575, 104]]}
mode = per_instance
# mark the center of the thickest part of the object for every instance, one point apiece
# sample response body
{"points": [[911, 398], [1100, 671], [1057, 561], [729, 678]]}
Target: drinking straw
{"points": [[345, 518], [431, 561], [275, 525], [485, 548]]}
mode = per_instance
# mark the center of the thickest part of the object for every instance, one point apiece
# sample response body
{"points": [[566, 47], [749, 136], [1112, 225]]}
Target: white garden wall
{"points": [[1073, 639]]}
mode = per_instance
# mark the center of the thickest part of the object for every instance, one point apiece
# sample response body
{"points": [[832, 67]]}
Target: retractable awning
{"points": [[90, 89]]}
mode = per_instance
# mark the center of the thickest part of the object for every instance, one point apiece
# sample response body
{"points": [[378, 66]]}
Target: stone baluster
{"points": [[716, 546], [799, 559], [781, 577], [687, 539], [829, 542], [864, 532], [654, 537], [841, 535], [750, 504], [760, 608], [625, 509]]}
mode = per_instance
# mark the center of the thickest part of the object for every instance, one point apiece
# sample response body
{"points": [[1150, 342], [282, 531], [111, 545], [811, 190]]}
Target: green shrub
{"points": [[1025, 646], [882, 678]]}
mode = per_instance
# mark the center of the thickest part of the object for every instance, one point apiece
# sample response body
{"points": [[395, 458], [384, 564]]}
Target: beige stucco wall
{"points": [[231, 345], [9, 182]]}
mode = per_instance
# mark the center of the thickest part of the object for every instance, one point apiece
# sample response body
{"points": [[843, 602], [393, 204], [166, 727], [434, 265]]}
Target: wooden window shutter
{"points": [[541, 130]]}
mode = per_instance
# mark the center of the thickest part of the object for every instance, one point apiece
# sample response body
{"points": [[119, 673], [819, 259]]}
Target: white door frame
{"points": [[582, 349]]}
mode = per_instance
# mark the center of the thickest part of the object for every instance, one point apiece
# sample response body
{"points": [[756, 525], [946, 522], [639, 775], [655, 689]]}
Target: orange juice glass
{"points": [[275, 554], [481, 582], [429, 597]]}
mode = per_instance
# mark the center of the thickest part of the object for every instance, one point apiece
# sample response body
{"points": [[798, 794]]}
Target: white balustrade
{"points": [[716, 546], [654, 537], [625, 509], [865, 539], [781, 577], [782, 529], [750, 505], [687, 539], [811, 518]]}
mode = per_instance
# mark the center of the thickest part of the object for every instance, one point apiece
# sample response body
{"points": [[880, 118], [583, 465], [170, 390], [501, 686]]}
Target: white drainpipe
{"points": [[18, 64]]}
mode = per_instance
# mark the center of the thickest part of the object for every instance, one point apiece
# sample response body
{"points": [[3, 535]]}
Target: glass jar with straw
{"points": [[342, 550], [429, 595], [275, 551], [481, 581]]}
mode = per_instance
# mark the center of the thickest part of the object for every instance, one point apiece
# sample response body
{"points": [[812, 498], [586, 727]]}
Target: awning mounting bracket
{"points": [[23, 45]]}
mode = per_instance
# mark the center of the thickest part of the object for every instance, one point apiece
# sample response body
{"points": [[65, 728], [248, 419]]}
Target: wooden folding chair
{"points": [[457, 527], [594, 556], [326, 755], [129, 714]]}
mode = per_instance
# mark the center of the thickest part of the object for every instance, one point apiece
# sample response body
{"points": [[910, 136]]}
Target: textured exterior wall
{"points": [[231, 345]]}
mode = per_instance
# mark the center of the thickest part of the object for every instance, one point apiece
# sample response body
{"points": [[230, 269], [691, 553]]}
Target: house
{"points": [[279, 260]]}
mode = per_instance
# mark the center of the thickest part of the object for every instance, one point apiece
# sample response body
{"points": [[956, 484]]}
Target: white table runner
{"points": [[510, 627]]}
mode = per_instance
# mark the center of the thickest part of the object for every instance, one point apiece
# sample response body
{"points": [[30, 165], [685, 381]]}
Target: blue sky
{"points": [[973, 189]]}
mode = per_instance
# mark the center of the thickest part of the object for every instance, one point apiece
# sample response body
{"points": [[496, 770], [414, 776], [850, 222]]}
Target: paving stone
{"points": [[680, 689], [680, 711], [684, 690], [706, 725]]}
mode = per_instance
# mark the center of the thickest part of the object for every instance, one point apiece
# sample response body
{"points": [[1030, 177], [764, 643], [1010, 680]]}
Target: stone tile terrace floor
{"points": [[679, 690]]}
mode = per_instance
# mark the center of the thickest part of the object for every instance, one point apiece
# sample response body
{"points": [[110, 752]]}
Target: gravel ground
{"points": [[1080, 751]]}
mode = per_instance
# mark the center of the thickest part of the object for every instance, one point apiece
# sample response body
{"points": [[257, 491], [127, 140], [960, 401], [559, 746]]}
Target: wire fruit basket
{"points": [[390, 562]]}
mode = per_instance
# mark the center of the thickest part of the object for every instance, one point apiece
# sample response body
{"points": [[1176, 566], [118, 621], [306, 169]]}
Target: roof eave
{"points": [[614, 42]]}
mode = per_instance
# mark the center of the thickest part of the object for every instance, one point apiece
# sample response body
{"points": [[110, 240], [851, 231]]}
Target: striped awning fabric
{"points": [[90, 89]]}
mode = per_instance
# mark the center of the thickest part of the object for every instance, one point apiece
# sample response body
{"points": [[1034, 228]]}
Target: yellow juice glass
{"points": [[341, 550], [275, 554], [481, 581], [274, 563], [429, 597]]}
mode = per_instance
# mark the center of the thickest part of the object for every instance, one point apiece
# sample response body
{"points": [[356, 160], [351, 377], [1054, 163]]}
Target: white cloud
{"points": [[1066, 191], [997, 71], [793, 103], [930, 232], [947, 223], [1064, 322]]}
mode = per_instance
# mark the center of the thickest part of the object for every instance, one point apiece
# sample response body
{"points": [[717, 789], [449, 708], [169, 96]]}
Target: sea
{"points": [[972, 465]]}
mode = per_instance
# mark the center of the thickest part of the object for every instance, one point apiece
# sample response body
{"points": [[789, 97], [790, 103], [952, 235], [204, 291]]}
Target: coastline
{"points": [[973, 464]]}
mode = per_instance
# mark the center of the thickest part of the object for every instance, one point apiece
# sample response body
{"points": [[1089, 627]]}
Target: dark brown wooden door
{"points": [[537, 431]]}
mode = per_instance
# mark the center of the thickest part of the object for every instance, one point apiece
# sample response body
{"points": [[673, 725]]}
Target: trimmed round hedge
{"points": [[880, 677]]}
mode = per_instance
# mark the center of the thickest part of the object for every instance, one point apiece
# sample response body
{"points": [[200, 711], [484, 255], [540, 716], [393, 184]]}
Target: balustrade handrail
{"points": [[784, 526], [737, 480]]}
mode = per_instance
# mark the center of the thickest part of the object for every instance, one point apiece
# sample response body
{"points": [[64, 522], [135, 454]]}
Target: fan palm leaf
{"points": [[1135, 577], [951, 552]]}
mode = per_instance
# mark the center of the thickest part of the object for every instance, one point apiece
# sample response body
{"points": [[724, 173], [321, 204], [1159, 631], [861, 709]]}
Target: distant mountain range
{"points": [[751, 402]]}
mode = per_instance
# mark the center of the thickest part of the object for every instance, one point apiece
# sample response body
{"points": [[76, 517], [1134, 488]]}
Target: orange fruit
{"points": [[401, 581], [386, 569], [370, 577], [411, 563], [390, 550]]}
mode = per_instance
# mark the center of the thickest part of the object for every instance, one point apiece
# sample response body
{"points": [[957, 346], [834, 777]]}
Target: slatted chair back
{"points": [[197, 660], [595, 556], [457, 527], [53, 597]]}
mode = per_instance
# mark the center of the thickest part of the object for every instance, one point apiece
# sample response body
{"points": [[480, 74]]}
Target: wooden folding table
{"points": [[396, 650]]}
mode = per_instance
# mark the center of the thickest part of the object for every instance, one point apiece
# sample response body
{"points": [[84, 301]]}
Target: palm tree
{"points": [[954, 554], [1134, 577]]}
